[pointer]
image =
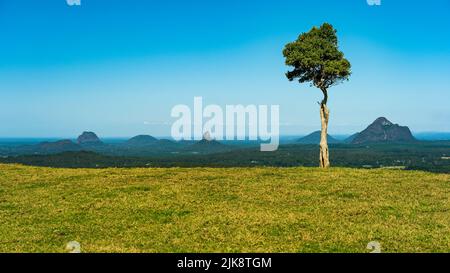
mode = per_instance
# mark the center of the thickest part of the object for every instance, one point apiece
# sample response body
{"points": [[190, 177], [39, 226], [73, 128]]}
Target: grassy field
{"points": [[223, 210]]}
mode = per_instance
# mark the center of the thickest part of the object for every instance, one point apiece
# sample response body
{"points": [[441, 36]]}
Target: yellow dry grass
{"points": [[223, 210]]}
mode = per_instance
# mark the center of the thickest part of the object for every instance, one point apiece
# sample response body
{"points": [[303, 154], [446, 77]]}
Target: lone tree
{"points": [[315, 58]]}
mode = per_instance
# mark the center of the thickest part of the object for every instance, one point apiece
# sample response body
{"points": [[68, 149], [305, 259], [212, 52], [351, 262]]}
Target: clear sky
{"points": [[118, 67]]}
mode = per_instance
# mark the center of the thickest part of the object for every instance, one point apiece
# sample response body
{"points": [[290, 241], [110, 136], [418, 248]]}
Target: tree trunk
{"points": [[324, 115]]}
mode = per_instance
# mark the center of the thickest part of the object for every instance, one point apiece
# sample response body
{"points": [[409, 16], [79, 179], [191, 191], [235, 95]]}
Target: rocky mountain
{"points": [[314, 138], [88, 138], [383, 131]]}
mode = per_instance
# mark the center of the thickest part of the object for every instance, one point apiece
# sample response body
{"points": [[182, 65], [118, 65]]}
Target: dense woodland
{"points": [[431, 156]]}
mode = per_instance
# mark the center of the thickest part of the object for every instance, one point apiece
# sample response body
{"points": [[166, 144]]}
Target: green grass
{"points": [[223, 210]]}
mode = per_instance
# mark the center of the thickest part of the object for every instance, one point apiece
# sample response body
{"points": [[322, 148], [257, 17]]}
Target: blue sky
{"points": [[118, 67]]}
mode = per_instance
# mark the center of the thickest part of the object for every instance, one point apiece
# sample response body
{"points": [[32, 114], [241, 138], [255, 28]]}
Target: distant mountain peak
{"points": [[382, 130], [204, 141], [207, 136], [208, 140], [142, 140], [88, 138], [383, 121], [314, 138]]}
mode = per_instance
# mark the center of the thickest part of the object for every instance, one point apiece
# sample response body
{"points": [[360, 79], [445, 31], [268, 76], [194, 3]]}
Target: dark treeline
{"points": [[428, 156]]}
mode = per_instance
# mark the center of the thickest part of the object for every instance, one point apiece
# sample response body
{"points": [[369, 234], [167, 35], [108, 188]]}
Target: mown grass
{"points": [[223, 210]]}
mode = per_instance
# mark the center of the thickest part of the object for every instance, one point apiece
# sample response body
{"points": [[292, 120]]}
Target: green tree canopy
{"points": [[315, 58]]}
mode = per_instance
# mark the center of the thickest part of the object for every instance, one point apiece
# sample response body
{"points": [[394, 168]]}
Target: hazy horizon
{"points": [[416, 134]]}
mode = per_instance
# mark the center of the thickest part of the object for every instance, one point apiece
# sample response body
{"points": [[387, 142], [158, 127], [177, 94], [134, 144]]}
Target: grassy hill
{"points": [[223, 209]]}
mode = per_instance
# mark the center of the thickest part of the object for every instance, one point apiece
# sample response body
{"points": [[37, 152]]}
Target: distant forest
{"points": [[428, 156]]}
